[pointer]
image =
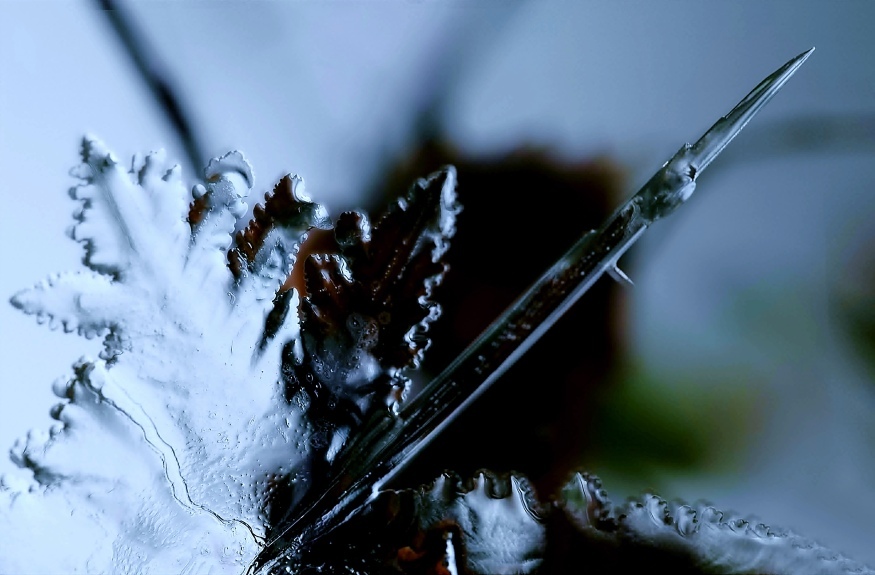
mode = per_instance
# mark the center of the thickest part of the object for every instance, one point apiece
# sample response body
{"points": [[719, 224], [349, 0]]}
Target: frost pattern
{"points": [[689, 538], [489, 524], [495, 524], [210, 404], [208, 412], [166, 445]]}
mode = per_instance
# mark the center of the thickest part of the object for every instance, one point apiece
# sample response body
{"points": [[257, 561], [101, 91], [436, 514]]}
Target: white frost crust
{"points": [[502, 533], [727, 544], [717, 542], [166, 445]]}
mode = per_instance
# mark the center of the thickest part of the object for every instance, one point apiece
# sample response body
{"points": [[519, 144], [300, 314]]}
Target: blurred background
{"points": [[739, 369]]}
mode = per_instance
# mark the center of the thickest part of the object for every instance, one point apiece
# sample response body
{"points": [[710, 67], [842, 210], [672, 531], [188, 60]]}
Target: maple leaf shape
{"points": [[188, 414], [368, 306], [211, 396], [184, 413], [379, 287]]}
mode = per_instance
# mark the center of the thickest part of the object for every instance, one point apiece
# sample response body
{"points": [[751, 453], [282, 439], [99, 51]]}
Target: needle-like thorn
{"points": [[620, 276], [388, 442]]}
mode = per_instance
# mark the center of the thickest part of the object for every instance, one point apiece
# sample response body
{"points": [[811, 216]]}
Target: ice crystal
{"points": [[171, 445], [167, 443], [493, 524], [236, 365]]}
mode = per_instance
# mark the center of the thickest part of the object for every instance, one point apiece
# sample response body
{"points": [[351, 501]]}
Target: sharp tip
{"points": [[783, 74], [800, 59], [804, 56], [620, 276], [713, 142]]}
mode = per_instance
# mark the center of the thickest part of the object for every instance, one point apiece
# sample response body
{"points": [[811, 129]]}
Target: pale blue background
{"points": [[739, 287]]}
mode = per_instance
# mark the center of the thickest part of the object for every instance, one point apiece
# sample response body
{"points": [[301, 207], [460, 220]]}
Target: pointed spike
{"points": [[374, 458], [726, 128], [676, 181], [620, 276]]}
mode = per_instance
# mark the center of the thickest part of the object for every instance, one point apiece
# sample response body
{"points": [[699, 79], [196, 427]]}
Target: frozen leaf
{"points": [[496, 524], [488, 524], [166, 447], [640, 533], [380, 286], [210, 413], [367, 308], [122, 210], [175, 446], [276, 227], [76, 301]]}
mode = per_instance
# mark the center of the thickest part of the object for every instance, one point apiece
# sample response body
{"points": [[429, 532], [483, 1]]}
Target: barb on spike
{"points": [[620, 276], [376, 455]]}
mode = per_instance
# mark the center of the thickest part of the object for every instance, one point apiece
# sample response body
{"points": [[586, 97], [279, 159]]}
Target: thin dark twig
{"points": [[157, 79]]}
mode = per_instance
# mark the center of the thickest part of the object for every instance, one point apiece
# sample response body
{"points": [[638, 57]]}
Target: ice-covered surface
{"points": [[706, 539], [166, 445], [496, 524], [209, 408], [703, 277], [738, 294], [489, 523], [184, 445]]}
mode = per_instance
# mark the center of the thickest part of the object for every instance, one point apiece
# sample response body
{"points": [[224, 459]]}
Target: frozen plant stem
{"points": [[154, 73], [370, 461]]}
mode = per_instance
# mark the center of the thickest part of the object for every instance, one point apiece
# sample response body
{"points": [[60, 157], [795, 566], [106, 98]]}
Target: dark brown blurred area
{"points": [[521, 212]]}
